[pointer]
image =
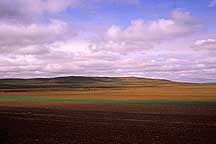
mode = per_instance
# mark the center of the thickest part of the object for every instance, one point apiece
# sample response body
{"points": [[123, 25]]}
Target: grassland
{"points": [[106, 89]]}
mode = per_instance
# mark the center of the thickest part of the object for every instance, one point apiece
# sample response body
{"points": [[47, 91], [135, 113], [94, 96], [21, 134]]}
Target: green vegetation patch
{"points": [[46, 99]]}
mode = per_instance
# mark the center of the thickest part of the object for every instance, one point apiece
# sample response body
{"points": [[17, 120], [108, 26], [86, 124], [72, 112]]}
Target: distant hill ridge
{"points": [[81, 78], [85, 82]]}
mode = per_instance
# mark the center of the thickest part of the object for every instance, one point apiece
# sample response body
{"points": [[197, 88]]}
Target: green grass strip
{"points": [[46, 99]]}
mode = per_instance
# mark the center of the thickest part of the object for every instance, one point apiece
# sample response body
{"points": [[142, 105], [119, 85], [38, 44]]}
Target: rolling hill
{"points": [[85, 82], [77, 88]]}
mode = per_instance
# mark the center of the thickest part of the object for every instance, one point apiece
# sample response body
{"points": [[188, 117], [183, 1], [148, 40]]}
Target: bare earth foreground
{"points": [[74, 110], [70, 123]]}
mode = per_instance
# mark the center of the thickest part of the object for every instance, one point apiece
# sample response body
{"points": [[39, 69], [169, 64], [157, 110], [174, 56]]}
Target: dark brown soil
{"points": [[75, 126]]}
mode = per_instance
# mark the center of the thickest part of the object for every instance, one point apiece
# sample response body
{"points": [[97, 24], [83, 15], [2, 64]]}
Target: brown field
{"points": [[193, 93], [68, 122], [72, 123]]}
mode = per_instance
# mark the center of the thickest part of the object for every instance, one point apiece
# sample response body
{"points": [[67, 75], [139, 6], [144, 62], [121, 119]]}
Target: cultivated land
{"points": [[106, 110]]}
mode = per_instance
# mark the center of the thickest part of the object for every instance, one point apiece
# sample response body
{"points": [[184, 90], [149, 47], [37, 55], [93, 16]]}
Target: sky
{"points": [[169, 39]]}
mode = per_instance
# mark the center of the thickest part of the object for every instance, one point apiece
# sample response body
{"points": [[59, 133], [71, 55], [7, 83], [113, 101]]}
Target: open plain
{"points": [[106, 110]]}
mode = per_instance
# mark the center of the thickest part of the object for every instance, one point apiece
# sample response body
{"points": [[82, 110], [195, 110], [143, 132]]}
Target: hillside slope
{"points": [[108, 88], [84, 82]]}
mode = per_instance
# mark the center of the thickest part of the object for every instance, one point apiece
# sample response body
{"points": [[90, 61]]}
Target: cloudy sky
{"points": [[169, 39]]}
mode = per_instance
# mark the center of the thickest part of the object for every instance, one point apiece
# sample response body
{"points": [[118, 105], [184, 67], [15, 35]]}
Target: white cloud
{"points": [[32, 10], [141, 34], [180, 24], [51, 48], [31, 38], [55, 6], [207, 44], [22, 10]]}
